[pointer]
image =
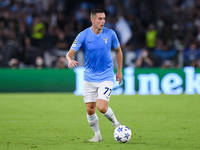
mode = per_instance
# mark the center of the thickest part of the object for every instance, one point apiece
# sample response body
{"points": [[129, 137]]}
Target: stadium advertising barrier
{"points": [[37, 80], [141, 81], [151, 81]]}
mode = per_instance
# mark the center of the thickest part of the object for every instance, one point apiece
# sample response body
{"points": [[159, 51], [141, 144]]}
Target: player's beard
{"points": [[100, 28]]}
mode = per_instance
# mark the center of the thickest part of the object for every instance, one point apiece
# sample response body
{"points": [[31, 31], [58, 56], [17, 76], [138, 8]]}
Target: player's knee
{"points": [[90, 111], [102, 109]]}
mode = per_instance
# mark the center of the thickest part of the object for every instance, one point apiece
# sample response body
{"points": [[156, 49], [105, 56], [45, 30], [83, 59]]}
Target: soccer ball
{"points": [[122, 134]]}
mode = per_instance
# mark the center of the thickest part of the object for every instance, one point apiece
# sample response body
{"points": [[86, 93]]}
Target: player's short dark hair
{"points": [[95, 11]]}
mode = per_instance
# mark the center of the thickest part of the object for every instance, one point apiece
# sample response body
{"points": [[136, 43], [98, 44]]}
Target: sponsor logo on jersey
{"points": [[74, 43]]}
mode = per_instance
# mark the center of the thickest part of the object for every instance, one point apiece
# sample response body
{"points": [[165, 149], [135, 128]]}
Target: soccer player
{"points": [[97, 42]]}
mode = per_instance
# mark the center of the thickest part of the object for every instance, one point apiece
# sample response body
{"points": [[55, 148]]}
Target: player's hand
{"points": [[119, 77], [72, 63]]}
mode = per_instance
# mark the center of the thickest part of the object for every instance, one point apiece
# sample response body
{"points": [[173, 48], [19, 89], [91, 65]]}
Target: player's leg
{"points": [[102, 106], [93, 118], [104, 92], [90, 97], [91, 108]]}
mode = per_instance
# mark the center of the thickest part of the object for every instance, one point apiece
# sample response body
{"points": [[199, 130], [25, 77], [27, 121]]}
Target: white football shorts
{"points": [[97, 90]]}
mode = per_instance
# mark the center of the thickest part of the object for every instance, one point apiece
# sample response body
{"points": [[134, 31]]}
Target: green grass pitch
{"points": [[57, 121]]}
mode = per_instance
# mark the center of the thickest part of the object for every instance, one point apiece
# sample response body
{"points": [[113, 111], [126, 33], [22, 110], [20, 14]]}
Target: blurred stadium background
{"points": [[37, 34]]}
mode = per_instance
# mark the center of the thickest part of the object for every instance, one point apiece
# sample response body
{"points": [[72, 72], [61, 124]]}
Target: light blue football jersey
{"points": [[97, 53]]}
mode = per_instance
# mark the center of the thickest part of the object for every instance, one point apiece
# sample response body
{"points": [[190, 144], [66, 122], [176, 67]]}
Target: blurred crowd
{"points": [[161, 33]]}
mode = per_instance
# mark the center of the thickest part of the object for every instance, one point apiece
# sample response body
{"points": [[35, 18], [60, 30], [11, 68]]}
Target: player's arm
{"points": [[119, 57], [69, 57]]}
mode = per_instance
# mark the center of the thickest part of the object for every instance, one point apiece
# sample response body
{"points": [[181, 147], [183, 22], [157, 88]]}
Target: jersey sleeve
{"points": [[77, 44], [115, 41]]}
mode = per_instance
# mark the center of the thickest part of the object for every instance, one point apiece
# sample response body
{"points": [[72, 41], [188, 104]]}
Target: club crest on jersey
{"points": [[106, 40]]}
